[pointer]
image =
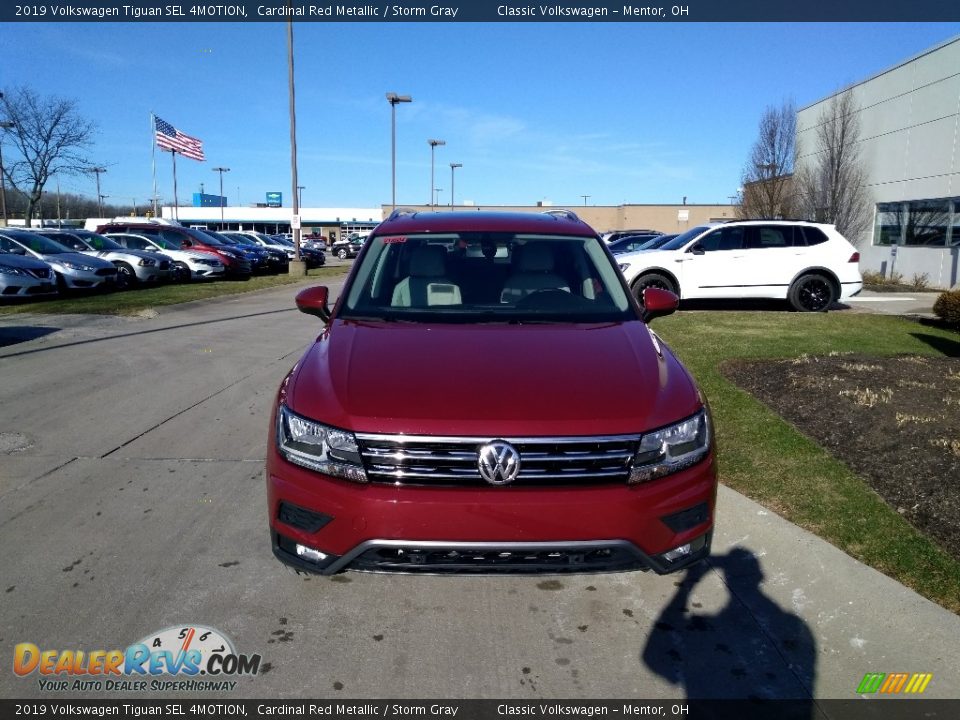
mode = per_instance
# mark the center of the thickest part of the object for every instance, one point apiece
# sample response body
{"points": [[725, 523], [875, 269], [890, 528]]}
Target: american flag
{"points": [[169, 138]]}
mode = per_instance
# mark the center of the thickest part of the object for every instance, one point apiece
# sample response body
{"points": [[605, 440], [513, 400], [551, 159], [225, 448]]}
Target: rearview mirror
{"points": [[658, 302], [313, 301]]}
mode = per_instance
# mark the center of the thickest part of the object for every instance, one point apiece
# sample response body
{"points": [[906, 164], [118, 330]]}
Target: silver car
{"points": [[22, 276], [133, 266], [73, 271], [188, 264]]}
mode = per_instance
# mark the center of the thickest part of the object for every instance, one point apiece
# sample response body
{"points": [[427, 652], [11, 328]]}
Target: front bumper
{"points": [[601, 528], [84, 280], [14, 286]]}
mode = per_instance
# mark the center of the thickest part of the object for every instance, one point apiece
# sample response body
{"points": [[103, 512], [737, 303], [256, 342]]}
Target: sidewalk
{"points": [[894, 303]]}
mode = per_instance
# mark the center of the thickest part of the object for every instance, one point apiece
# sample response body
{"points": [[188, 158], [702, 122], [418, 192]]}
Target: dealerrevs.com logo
{"points": [[197, 658], [894, 683]]}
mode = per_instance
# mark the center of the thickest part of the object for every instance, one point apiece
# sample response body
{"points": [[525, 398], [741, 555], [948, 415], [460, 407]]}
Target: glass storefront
{"points": [[918, 223]]}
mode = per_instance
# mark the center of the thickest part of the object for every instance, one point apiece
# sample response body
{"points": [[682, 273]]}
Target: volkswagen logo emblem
{"points": [[498, 462]]}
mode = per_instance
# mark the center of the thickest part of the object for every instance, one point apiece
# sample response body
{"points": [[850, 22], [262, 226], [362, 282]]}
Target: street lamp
{"points": [[436, 200], [585, 198], [100, 197], [221, 170], [394, 100], [433, 145], [453, 166], [300, 189], [295, 216]]}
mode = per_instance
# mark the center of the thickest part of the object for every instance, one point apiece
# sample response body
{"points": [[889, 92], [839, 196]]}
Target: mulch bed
{"points": [[895, 421]]}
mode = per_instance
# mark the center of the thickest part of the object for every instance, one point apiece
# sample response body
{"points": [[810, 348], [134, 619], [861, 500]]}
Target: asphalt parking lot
{"points": [[132, 499]]}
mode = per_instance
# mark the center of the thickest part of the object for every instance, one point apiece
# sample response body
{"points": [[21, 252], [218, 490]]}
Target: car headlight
{"points": [[147, 262], [318, 447], [7, 270], [672, 448], [76, 266], [229, 254]]}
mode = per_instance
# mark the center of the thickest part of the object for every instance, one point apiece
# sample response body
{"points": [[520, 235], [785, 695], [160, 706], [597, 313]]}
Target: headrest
{"points": [[428, 261], [536, 258]]}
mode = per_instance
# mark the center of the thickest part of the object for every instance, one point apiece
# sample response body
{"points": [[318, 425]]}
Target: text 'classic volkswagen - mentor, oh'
{"points": [[486, 396]]}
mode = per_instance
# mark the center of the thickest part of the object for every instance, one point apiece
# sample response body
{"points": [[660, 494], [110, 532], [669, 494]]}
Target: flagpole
{"points": [[153, 159], [173, 156]]}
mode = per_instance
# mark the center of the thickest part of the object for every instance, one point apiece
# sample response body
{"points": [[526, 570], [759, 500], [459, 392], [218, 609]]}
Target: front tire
{"points": [[654, 280], [126, 277], [181, 273], [812, 293], [342, 254]]}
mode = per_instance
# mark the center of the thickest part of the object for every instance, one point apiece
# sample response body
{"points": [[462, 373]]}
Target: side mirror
{"points": [[658, 302], [313, 301], [697, 249]]}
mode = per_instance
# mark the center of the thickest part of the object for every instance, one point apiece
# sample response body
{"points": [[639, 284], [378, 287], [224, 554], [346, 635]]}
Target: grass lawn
{"points": [[139, 299], [769, 460]]}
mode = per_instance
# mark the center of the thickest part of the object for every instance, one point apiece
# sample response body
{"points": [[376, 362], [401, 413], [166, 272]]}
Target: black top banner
{"points": [[487, 11]]}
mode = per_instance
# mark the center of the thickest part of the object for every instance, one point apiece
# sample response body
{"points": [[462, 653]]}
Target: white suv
{"points": [[809, 264]]}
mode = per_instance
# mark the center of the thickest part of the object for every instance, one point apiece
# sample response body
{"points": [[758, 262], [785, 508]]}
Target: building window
{"points": [[918, 223]]}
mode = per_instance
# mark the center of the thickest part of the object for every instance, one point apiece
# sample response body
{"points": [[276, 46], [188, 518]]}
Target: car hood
{"points": [[199, 254], [124, 254], [491, 380], [22, 262], [91, 260]]}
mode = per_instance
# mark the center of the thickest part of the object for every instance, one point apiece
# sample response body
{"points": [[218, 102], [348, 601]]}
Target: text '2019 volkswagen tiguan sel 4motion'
{"points": [[451, 417]]}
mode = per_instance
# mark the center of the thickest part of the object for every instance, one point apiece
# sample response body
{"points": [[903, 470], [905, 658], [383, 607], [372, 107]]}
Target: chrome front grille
{"points": [[439, 461]]}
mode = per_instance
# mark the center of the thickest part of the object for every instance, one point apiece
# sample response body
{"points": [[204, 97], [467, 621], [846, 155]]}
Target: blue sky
{"points": [[621, 112]]}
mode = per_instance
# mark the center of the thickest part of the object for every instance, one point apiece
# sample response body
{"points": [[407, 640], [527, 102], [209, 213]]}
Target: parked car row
{"points": [[128, 252]]}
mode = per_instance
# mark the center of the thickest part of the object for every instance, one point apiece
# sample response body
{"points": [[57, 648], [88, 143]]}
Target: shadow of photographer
{"points": [[749, 649]]}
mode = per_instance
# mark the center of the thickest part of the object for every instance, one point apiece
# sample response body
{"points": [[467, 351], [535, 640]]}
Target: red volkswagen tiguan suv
{"points": [[486, 396]]}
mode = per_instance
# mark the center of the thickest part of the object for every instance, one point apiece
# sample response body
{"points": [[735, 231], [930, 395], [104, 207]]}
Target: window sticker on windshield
{"points": [[394, 239]]}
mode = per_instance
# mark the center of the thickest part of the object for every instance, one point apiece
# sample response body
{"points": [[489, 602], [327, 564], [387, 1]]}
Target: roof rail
{"points": [[562, 212], [400, 212]]}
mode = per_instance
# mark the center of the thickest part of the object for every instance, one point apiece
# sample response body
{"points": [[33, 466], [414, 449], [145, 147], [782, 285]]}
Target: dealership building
{"points": [[910, 150], [334, 223]]}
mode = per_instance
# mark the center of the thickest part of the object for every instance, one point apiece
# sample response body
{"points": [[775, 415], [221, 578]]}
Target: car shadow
{"points": [[750, 649], [947, 346], [13, 335]]}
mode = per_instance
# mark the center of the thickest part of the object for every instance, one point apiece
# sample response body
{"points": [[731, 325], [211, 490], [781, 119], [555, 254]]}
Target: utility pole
{"points": [[97, 171]]}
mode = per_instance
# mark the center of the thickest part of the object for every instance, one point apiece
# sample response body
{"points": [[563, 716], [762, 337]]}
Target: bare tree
{"points": [[831, 184], [767, 178], [51, 138]]}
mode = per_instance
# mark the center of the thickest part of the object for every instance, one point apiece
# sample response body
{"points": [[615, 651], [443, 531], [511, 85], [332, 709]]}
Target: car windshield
{"points": [[654, 243], [243, 240], [39, 244], [99, 242], [683, 238], [164, 243], [225, 239], [203, 236], [486, 277]]}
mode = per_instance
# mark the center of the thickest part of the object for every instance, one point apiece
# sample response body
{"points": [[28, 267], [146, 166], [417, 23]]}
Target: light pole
{"points": [[433, 146], [453, 166], [295, 217], [221, 170], [585, 198], [97, 171], [394, 100], [436, 200], [300, 189]]}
